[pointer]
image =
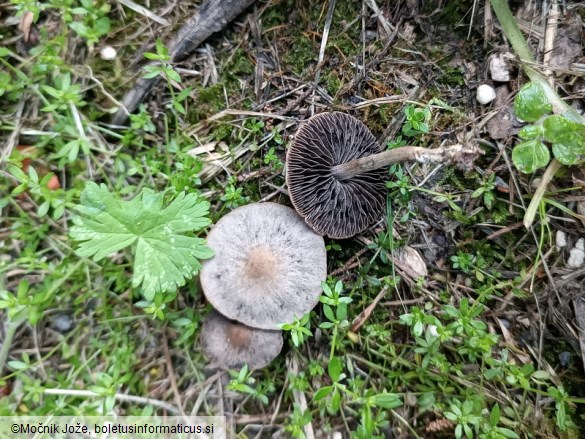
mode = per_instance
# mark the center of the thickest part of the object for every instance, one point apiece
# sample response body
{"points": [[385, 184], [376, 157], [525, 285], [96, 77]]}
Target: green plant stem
{"points": [[548, 175], [520, 46], [10, 331], [333, 341]]}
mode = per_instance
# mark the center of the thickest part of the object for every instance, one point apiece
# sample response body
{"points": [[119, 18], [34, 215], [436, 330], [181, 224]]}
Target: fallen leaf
{"points": [[25, 24]]}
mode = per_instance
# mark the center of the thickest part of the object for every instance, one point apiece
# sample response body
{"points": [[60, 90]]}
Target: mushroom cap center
{"points": [[239, 336], [261, 263]]}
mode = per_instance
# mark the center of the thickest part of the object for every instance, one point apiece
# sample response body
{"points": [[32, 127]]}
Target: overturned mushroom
{"points": [[334, 176], [268, 266], [230, 344]]}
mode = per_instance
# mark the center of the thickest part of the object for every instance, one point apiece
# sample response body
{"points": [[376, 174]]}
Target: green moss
{"points": [[223, 131], [300, 54], [239, 65], [332, 82], [452, 76], [210, 100]]}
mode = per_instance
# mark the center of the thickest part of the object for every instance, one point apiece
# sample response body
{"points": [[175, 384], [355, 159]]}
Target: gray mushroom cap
{"points": [[230, 345], [268, 266], [338, 209]]}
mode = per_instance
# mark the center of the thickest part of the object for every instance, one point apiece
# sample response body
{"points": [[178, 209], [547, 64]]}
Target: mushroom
{"points": [[268, 266], [230, 344], [334, 177]]}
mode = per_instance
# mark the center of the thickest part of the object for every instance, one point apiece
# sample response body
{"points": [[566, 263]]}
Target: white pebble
{"points": [[108, 53], [432, 330], [500, 68], [561, 239], [577, 255], [485, 94]]}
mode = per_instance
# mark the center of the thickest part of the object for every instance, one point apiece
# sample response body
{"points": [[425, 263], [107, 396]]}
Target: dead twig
{"points": [[363, 317], [211, 17]]}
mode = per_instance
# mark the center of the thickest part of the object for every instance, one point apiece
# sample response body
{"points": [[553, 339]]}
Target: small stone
{"points": [[564, 358], [61, 322], [485, 94], [500, 68], [577, 255], [561, 239], [432, 330], [108, 53]]}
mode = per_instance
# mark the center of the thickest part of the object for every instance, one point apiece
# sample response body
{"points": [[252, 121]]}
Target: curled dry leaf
{"points": [[413, 260], [25, 24]]}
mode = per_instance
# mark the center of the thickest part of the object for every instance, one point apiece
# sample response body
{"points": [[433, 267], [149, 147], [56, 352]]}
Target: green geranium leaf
{"points": [[164, 254], [530, 155], [531, 103]]}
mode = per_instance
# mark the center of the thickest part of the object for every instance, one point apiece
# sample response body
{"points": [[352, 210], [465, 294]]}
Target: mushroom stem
{"points": [[459, 155]]}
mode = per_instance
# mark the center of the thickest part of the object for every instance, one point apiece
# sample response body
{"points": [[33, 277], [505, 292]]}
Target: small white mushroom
{"points": [[577, 255], [485, 94], [108, 53]]}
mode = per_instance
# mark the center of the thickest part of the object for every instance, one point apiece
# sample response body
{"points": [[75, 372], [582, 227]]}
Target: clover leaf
{"points": [[530, 155], [567, 138], [165, 255], [571, 152], [531, 103]]}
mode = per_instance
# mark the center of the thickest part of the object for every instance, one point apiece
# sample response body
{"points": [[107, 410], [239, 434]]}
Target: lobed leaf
{"points": [[164, 257]]}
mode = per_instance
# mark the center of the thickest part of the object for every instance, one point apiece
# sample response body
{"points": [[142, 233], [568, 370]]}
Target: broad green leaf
{"points": [[560, 129], [567, 137], [79, 28], [541, 375], [164, 255], [426, 400], [334, 369], [17, 365], [530, 132], [102, 26], [322, 393], [328, 313], [335, 401], [530, 155], [386, 400], [531, 103], [570, 153], [495, 415], [507, 433]]}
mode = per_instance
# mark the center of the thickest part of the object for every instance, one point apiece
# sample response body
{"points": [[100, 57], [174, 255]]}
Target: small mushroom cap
{"points": [[268, 266], [230, 345], [338, 209]]}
